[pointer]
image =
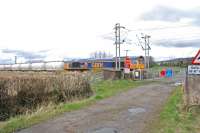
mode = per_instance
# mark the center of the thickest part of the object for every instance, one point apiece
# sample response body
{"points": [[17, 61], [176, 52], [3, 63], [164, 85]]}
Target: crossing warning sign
{"points": [[196, 59]]}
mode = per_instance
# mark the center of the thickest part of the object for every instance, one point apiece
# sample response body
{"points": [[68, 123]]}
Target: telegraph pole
{"points": [[15, 59]]}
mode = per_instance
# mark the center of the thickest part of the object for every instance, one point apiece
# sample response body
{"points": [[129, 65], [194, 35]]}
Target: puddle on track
{"points": [[106, 130], [136, 110]]}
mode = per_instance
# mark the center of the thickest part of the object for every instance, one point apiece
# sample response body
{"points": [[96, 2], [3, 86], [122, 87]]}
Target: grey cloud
{"points": [[178, 44], [24, 54], [170, 14], [163, 13], [44, 51]]}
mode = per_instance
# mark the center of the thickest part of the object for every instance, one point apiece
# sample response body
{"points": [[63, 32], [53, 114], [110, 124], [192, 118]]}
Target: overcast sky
{"points": [[57, 29]]}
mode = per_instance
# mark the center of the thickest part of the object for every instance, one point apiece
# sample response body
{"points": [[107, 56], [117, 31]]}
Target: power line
{"points": [[176, 40], [159, 28]]}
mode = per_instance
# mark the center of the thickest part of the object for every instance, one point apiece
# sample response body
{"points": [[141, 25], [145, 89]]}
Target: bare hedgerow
{"points": [[22, 92]]}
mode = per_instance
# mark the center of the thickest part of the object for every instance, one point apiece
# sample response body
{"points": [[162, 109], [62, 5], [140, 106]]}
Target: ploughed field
{"points": [[22, 92]]}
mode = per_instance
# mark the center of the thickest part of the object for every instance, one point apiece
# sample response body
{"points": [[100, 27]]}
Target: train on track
{"points": [[78, 65]]}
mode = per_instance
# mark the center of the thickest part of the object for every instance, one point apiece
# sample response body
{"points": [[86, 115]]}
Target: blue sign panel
{"points": [[89, 65], [169, 73]]}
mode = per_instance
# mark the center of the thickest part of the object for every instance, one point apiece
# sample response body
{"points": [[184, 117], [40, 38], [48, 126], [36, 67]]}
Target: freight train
{"points": [[79, 65]]}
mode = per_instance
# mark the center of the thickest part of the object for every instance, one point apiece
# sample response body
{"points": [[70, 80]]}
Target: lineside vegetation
{"points": [[24, 92], [101, 90], [175, 119]]}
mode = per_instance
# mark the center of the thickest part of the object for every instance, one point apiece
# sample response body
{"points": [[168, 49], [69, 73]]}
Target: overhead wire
{"points": [[195, 36], [159, 28]]}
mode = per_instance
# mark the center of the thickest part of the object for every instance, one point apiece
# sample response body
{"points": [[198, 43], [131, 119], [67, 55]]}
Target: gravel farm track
{"points": [[128, 112]]}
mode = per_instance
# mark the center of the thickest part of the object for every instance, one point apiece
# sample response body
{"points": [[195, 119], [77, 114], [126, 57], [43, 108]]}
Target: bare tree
{"points": [[151, 61], [100, 55]]}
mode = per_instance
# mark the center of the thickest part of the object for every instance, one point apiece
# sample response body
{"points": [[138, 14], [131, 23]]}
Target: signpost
{"points": [[127, 70], [194, 70], [192, 87]]}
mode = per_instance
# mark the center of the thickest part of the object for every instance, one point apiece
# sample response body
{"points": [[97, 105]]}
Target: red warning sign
{"points": [[163, 73], [196, 59]]}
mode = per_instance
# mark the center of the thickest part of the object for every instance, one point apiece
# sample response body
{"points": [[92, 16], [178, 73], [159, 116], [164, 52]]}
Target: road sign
{"points": [[126, 70], [163, 73], [169, 73], [196, 59], [194, 69], [137, 66]]}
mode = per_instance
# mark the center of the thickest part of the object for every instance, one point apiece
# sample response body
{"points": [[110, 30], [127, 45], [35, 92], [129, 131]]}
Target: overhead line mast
{"points": [[118, 43], [146, 50]]}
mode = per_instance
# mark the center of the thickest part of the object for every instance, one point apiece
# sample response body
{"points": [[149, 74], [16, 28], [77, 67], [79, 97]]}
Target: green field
{"points": [[174, 119], [102, 89], [160, 68]]}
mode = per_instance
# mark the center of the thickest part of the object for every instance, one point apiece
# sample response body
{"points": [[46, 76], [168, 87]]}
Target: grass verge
{"points": [[102, 90], [173, 119]]}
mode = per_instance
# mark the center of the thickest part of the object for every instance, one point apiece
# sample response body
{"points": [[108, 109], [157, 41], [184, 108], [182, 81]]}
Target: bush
{"points": [[23, 92]]}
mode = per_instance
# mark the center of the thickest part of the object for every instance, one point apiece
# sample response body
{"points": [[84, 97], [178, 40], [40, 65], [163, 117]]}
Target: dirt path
{"points": [[128, 112]]}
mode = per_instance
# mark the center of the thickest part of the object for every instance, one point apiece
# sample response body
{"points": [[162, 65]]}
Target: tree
{"points": [[151, 61], [100, 55]]}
